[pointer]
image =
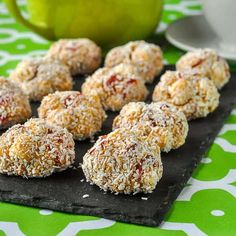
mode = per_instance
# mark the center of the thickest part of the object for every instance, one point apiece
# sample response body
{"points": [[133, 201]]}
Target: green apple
{"points": [[107, 22]]}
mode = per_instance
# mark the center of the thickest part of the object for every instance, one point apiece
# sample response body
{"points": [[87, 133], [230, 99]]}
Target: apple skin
{"points": [[107, 22]]}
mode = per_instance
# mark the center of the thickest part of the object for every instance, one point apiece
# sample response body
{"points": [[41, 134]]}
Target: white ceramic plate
{"points": [[193, 32]]}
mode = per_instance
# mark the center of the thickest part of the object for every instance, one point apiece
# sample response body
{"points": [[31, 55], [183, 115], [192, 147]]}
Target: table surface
{"points": [[206, 206]]}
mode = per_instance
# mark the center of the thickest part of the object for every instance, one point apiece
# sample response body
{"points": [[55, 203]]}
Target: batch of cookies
{"points": [[128, 159]]}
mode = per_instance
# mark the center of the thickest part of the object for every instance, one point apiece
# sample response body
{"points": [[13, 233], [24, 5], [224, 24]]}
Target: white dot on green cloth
{"points": [[9, 71], [172, 17], [45, 212], [20, 46], [206, 160], [217, 213]]}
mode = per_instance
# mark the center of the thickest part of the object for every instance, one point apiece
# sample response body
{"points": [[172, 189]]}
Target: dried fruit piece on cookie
{"points": [[159, 121], [207, 63], [116, 86], [196, 96], [123, 162], [82, 56], [35, 149], [147, 57], [38, 77], [81, 115], [14, 104]]}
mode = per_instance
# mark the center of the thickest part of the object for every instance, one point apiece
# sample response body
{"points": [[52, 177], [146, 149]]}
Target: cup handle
{"points": [[15, 11]]}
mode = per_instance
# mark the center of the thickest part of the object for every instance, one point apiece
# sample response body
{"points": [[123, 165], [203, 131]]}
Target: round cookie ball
{"points": [[35, 149], [116, 86], [147, 57], [14, 104], [81, 115], [82, 56], [38, 77], [207, 63], [159, 121], [123, 162], [194, 95]]}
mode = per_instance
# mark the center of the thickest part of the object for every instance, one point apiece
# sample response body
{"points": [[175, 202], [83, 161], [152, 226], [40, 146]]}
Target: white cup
{"points": [[221, 16]]}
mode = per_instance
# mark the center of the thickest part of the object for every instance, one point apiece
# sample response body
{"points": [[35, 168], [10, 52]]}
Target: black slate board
{"points": [[64, 191]]}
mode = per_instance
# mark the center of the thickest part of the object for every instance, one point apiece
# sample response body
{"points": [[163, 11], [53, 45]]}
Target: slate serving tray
{"points": [[64, 191]]}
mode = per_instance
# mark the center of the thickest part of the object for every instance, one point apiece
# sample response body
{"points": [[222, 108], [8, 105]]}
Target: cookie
{"points": [[38, 77], [147, 57], [116, 86], [14, 104], [156, 121], [207, 63], [194, 95], [35, 149], [123, 162], [82, 56], [81, 115]]}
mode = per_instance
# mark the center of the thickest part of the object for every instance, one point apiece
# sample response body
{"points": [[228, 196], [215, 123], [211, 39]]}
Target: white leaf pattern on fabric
{"points": [[198, 185], [11, 35], [10, 229], [225, 145], [189, 228], [227, 127], [183, 7], [233, 112], [73, 228]]}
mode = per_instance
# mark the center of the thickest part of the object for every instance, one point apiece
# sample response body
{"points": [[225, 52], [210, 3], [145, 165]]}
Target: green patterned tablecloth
{"points": [[206, 206]]}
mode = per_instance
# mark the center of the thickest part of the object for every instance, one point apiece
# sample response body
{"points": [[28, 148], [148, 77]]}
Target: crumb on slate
{"points": [[144, 198]]}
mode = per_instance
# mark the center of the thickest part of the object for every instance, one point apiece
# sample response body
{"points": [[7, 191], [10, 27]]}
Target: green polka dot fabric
{"points": [[206, 206]]}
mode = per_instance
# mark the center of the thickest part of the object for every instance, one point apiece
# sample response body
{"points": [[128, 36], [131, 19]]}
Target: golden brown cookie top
{"points": [[207, 63], [123, 162], [35, 149]]}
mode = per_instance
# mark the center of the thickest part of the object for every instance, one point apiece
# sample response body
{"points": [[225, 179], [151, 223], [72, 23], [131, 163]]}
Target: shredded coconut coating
{"points": [[35, 149], [159, 121], [145, 56], [194, 95], [82, 56], [116, 86], [38, 77], [14, 104], [207, 63], [123, 162], [81, 115]]}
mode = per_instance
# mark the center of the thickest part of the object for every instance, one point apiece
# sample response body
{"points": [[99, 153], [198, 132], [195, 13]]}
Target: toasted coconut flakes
{"points": [[146, 57], [38, 77], [116, 86], [81, 115], [20, 145], [123, 162], [196, 96], [159, 121], [82, 56], [207, 63], [14, 104]]}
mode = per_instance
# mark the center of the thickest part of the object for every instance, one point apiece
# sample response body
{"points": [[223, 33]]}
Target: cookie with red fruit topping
{"points": [[147, 57], [116, 86], [82, 56], [38, 77], [207, 63], [14, 104], [158, 120], [81, 115], [123, 162], [35, 149], [196, 96]]}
